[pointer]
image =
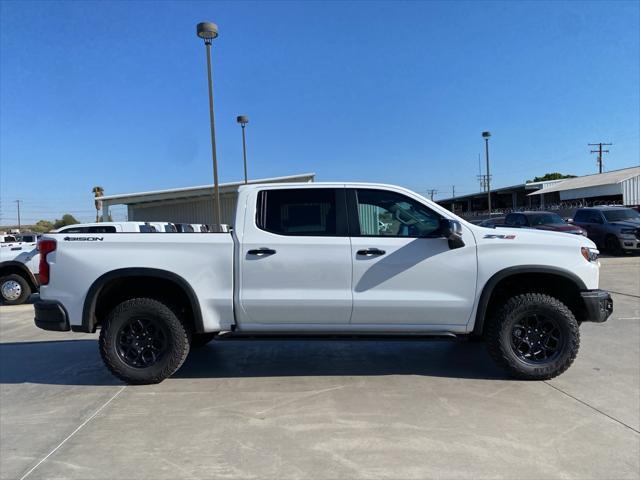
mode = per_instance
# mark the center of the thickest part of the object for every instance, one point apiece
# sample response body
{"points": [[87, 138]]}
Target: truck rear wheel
{"points": [[14, 289], [142, 341], [534, 336]]}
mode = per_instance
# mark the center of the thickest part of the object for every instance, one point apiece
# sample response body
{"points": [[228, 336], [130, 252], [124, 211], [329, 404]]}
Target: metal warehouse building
{"points": [[621, 186], [615, 187], [187, 205]]}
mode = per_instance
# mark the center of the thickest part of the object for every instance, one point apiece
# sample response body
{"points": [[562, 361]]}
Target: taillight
{"points": [[45, 247]]}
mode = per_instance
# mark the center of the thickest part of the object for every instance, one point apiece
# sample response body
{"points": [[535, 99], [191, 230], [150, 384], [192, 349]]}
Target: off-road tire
{"points": [[498, 335], [174, 355], [24, 286], [199, 340]]}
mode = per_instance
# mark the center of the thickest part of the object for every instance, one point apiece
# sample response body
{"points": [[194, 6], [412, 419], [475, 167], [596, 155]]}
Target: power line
{"points": [[431, 192], [599, 152]]}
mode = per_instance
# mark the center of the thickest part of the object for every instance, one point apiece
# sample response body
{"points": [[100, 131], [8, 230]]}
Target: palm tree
{"points": [[97, 193]]}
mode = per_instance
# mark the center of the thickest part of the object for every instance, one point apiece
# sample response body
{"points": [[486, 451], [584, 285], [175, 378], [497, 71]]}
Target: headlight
{"points": [[590, 254], [628, 231]]}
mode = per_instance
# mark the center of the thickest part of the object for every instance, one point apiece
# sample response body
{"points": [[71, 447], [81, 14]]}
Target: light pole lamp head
{"points": [[207, 31], [242, 120], [486, 134]]}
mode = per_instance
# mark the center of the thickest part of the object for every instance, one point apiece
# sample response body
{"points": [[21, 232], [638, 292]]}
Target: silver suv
{"points": [[616, 229]]}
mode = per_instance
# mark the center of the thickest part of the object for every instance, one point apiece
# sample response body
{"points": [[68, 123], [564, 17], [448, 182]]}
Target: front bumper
{"points": [[51, 316], [598, 305], [629, 243]]}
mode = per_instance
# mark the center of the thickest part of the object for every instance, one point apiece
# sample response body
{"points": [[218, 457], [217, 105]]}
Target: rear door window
{"points": [[301, 212]]}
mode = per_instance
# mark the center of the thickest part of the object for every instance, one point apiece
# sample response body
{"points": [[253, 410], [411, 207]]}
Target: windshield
{"points": [[621, 214], [546, 219]]}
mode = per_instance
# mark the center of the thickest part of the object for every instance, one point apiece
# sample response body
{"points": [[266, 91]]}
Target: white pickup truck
{"points": [[18, 272], [324, 258]]}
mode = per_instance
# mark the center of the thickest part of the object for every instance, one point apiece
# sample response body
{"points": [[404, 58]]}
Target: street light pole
{"points": [[243, 120], [208, 31], [19, 224], [486, 136]]}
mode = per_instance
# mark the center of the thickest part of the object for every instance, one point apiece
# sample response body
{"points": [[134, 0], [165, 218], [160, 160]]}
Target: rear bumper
{"points": [[598, 305], [51, 316]]}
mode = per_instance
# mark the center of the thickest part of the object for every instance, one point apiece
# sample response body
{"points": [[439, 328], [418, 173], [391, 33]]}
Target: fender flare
{"points": [[489, 287], [29, 275], [91, 298]]}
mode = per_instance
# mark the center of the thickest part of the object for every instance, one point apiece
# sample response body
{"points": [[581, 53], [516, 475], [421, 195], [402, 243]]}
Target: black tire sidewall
{"points": [[26, 289], [501, 348], [177, 342], [543, 368]]}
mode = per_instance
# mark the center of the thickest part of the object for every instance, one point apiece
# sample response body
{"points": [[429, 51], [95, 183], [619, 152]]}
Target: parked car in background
{"points": [[615, 229], [163, 227], [113, 227], [4, 239], [542, 221], [492, 222], [19, 266], [28, 237]]}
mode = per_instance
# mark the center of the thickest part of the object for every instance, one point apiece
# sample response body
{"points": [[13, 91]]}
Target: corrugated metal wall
{"points": [[631, 191], [188, 210], [590, 192], [369, 218]]}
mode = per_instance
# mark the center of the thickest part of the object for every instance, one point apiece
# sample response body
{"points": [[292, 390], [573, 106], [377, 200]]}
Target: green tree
{"points": [[43, 226], [67, 219], [551, 176]]}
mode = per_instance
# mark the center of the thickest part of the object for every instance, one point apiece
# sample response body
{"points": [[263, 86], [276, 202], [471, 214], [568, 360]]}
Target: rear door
{"points": [[403, 270], [295, 258]]}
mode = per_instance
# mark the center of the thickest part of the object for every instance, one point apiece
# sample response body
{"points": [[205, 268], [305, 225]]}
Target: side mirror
{"points": [[452, 231]]}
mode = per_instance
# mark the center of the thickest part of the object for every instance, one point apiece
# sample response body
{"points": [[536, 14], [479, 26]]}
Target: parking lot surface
{"points": [[324, 409]]}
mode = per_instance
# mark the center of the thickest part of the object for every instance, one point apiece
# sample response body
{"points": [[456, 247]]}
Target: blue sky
{"points": [[115, 94]]}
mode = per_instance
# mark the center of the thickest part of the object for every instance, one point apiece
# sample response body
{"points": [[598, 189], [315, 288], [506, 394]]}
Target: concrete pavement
{"points": [[324, 409]]}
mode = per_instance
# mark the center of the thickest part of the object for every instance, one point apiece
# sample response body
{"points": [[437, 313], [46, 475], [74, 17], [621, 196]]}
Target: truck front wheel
{"points": [[14, 289], [142, 341], [534, 336]]}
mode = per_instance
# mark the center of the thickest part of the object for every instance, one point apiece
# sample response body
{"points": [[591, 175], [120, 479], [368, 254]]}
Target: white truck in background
{"points": [[19, 257], [324, 258], [19, 263]]}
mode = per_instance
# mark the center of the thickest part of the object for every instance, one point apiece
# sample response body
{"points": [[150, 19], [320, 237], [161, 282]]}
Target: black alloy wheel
{"points": [[141, 342], [537, 339]]}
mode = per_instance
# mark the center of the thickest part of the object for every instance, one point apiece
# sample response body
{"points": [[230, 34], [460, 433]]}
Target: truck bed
{"points": [[87, 257]]}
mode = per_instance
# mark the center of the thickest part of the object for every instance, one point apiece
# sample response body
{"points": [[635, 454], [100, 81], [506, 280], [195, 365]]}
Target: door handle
{"points": [[369, 252], [261, 252]]}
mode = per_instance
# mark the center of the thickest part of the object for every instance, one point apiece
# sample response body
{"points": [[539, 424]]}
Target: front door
{"points": [[295, 258], [403, 271]]}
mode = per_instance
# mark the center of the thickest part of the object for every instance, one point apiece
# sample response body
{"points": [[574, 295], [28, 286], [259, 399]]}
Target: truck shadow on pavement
{"points": [[77, 362]]}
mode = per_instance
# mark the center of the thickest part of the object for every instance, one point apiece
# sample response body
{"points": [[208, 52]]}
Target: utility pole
{"points": [[453, 198], [486, 136], [431, 192], [18, 203], [599, 152]]}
